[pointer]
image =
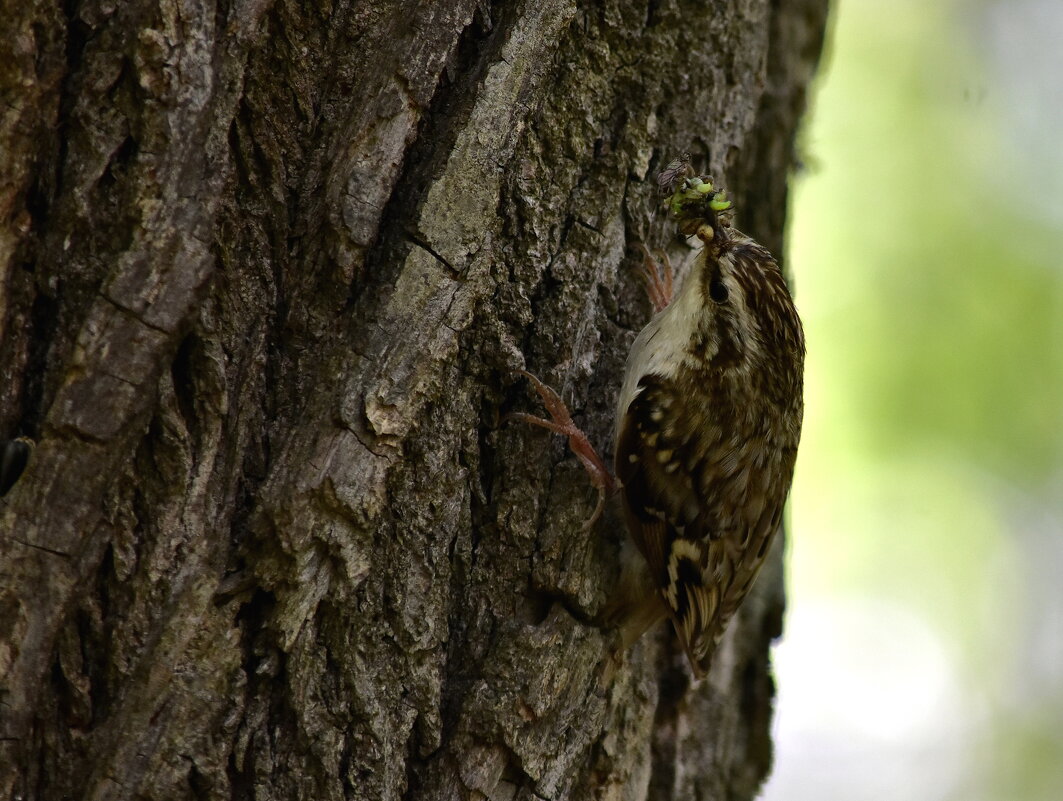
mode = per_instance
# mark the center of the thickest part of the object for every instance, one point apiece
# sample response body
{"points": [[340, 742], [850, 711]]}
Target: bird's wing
{"points": [[671, 520]]}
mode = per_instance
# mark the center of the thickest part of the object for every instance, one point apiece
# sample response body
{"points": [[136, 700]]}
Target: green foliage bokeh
{"points": [[930, 478]]}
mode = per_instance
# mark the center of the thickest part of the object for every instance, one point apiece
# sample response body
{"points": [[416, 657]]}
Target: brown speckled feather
{"points": [[708, 432]]}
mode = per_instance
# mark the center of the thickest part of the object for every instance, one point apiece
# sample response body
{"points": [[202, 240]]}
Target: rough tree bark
{"points": [[268, 269]]}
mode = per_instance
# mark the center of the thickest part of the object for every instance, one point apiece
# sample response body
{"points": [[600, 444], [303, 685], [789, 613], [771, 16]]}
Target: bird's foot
{"points": [[560, 422], [658, 277]]}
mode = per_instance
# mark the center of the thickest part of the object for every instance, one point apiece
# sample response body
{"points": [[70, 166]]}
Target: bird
{"points": [[708, 422]]}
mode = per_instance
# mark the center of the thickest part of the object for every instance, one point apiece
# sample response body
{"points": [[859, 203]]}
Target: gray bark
{"points": [[268, 269]]}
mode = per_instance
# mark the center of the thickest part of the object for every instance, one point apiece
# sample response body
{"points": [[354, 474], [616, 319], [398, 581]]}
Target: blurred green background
{"points": [[923, 655]]}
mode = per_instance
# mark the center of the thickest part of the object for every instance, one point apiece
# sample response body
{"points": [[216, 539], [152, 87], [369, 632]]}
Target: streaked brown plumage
{"points": [[708, 424]]}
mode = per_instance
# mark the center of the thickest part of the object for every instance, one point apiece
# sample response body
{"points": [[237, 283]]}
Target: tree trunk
{"points": [[268, 270]]}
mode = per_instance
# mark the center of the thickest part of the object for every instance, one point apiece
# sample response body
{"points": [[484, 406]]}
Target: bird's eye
{"points": [[717, 291]]}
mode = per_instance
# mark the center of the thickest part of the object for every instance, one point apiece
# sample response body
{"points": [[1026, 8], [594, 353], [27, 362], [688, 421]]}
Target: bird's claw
{"points": [[560, 422], [658, 277]]}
